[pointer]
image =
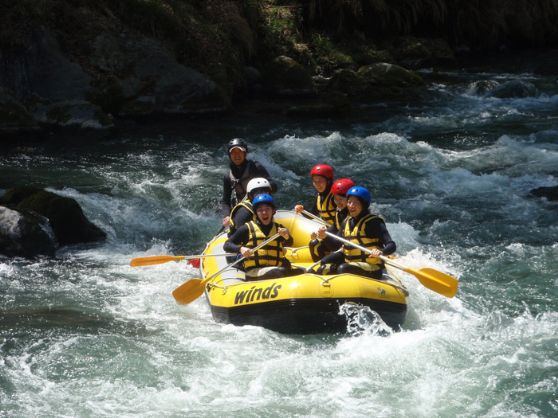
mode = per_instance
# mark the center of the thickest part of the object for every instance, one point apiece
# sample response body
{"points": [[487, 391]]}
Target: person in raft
{"points": [[324, 206], [339, 190], [364, 228], [243, 212], [268, 262], [241, 171]]}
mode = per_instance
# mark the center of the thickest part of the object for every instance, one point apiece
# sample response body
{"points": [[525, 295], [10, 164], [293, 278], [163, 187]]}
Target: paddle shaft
{"points": [[315, 217], [433, 279], [345, 241], [366, 250], [160, 259]]}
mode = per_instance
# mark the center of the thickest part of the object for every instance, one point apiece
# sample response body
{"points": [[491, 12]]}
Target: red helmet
{"points": [[323, 170], [342, 186]]}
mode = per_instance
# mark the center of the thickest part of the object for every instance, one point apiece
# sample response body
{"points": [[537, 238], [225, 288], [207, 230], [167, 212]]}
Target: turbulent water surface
{"points": [[84, 334]]}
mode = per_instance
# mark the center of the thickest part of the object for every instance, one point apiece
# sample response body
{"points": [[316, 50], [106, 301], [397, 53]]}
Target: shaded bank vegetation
{"points": [[472, 24], [85, 64]]}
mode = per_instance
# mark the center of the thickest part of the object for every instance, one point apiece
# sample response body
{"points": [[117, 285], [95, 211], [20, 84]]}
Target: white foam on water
{"points": [[121, 346]]}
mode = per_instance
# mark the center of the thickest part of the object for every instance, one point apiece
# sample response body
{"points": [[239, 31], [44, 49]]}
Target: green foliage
{"points": [[17, 20], [329, 55], [477, 23], [280, 29]]}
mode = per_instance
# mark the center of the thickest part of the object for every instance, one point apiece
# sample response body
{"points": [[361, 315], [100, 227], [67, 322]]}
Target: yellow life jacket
{"points": [[245, 203], [270, 255], [327, 208], [340, 216], [358, 236]]}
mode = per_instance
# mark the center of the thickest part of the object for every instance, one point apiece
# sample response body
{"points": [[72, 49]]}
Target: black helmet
{"points": [[237, 143]]}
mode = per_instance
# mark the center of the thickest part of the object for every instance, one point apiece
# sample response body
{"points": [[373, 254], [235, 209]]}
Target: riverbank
{"points": [[92, 67]]}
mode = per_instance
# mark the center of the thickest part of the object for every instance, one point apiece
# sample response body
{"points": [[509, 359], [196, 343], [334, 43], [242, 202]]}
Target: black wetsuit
{"points": [[374, 228], [236, 179], [241, 236]]}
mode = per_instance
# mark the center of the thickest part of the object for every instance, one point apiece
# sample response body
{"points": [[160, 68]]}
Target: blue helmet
{"points": [[263, 198], [362, 193]]}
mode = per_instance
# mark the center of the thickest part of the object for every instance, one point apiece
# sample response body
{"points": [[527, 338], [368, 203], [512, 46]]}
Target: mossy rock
{"points": [[25, 234], [421, 52], [12, 197], [367, 56], [348, 82], [13, 115], [380, 81], [389, 74], [64, 214], [287, 77], [550, 193]]}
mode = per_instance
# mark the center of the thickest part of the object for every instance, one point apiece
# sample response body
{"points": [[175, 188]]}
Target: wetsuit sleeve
{"points": [[336, 257], [237, 240], [332, 244], [241, 217], [287, 242], [227, 190], [378, 229]]}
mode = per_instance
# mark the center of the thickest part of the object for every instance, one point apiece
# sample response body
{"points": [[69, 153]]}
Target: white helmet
{"points": [[257, 183]]}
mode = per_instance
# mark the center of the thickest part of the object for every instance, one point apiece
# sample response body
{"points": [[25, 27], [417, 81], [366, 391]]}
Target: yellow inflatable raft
{"points": [[306, 303]]}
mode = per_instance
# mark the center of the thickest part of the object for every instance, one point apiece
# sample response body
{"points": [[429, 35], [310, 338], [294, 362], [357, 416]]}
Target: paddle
{"points": [[193, 288], [160, 259], [435, 280]]}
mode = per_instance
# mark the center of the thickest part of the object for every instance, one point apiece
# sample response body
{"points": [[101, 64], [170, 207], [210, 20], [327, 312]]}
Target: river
{"points": [[83, 334]]}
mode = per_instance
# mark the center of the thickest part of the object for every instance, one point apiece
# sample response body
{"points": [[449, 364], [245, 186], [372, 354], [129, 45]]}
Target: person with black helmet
{"points": [[268, 262], [241, 171], [365, 229], [324, 205]]}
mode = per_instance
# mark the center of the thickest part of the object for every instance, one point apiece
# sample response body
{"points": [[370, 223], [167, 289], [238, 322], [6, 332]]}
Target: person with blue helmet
{"points": [[269, 261], [365, 229]]}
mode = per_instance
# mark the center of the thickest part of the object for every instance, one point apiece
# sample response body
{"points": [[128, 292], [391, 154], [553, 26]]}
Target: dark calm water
{"points": [[84, 334]]}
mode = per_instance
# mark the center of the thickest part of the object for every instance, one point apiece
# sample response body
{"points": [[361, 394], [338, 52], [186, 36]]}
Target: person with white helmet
{"points": [[269, 261], [241, 171], [243, 211]]}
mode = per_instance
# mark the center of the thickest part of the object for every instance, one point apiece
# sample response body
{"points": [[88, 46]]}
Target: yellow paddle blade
{"points": [[154, 259], [189, 291], [436, 280]]}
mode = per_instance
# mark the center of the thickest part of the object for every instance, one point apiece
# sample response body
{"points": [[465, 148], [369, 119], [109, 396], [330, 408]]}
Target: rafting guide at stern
{"points": [[241, 171]]}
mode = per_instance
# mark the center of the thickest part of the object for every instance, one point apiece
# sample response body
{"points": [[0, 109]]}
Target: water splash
{"points": [[363, 320]]}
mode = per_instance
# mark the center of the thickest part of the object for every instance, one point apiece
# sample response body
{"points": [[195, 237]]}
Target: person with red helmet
{"points": [[339, 190], [324, 206]]}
